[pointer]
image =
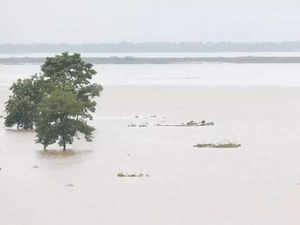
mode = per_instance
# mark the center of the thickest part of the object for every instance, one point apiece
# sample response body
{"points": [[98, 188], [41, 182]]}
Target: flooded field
{"points": [[257, 183]]}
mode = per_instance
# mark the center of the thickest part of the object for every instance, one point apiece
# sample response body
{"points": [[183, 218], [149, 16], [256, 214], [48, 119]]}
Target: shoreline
{"points": [[162, 60]]}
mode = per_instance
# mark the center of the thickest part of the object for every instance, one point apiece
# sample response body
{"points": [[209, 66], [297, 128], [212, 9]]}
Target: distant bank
{"points": [[125, 47], [159, 60]]}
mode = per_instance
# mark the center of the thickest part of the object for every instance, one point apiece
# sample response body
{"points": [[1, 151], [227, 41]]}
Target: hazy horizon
{"points": [[66, 21], [144, 47]]}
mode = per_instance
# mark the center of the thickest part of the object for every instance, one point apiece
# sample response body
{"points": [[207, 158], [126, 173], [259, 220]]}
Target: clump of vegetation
{"points": [[57, 102], [225, 145], [132, 175]]}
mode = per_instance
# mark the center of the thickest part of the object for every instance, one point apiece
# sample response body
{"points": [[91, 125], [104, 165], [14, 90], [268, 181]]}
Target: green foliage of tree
{"points": [[60, 119], [57, 102], [21, 108], [65, 70]]}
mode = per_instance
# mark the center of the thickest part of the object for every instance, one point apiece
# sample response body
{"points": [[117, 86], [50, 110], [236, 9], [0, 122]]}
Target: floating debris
{"points": [[35, 167]]}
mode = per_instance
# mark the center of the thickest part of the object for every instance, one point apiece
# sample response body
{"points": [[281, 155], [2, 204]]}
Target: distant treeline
{"points": [[154, 47], [138, 60]]}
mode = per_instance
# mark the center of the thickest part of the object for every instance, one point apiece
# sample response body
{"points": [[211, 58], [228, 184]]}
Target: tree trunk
{"points": [[64, 146]]}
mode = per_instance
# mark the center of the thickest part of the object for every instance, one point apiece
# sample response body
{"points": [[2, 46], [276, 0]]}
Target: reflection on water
{"points": [[52, 154], [19, 131]]}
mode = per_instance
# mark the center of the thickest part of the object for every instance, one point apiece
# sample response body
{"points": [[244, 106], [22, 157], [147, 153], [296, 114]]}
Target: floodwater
{"points": [[205, 74], [259, 183]]}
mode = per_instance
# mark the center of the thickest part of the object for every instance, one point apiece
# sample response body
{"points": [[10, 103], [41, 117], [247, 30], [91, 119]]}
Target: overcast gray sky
{"points": [[78, 21]]}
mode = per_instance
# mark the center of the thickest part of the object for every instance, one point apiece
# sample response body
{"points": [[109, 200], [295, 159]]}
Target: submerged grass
{"points": [[132, 175], [225, 145], [191, 123]]}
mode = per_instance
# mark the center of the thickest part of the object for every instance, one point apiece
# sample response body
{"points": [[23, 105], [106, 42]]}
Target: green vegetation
{"points": [[21, 107], [132, 175], [226, 145], [57, 103]]}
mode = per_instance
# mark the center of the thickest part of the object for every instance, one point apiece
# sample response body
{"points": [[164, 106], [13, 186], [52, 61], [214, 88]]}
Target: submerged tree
{"points": [[61, 119], [71, 73], [57, 102], [70, 102], [21, 108]]}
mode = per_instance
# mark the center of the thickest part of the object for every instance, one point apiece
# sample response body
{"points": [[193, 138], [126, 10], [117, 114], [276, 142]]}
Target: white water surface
{"points": [[257, 183], [255, 105], [205, 74]]}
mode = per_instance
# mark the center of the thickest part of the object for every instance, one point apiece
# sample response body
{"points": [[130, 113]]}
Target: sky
{"points": [[96, 21]]}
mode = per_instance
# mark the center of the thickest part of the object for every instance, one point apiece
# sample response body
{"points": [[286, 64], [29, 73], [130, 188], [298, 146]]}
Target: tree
{"points": [[71, 73], [58, 102], [69, 102], [60, 119], [21, 108]]}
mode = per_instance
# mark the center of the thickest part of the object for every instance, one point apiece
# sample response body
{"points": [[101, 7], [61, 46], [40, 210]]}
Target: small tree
{"points": [[21, 108], [64, 111], [60, 119], [71, 73]]}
